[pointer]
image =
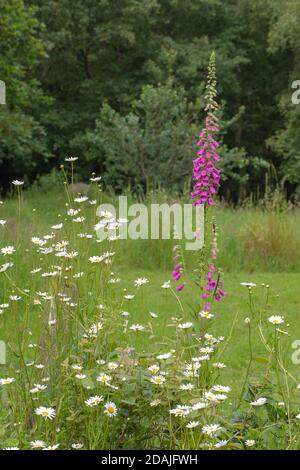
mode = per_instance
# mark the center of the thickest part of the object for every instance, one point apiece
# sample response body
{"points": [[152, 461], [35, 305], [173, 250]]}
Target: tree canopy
{"points": [[121, 84]]}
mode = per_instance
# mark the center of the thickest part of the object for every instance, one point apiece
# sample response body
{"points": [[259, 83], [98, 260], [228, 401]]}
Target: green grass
{"points": [[150, 258], [230, 314], [255, 246], [250, 239]]}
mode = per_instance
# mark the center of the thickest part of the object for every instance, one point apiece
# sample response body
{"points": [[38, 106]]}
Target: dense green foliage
{"points": [[120, 84]]}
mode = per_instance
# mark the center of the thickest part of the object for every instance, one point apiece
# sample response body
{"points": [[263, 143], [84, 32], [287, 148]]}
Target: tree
{"points": [[22, 138], [151, 146], [284, 38]]}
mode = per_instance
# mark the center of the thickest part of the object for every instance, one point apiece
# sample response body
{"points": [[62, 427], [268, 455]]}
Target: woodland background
{"points": [[120, 84]]}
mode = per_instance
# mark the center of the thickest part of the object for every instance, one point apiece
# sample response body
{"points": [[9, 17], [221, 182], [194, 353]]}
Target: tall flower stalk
{"points": [[206, 177]]}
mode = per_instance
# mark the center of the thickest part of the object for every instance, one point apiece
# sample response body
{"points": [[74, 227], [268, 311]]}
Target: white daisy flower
{"points": [[221, 388], [211, 429], [166, 285], [7, 381], [206, 315], [250, 443], [137, 327], [164, 356], [185, 326], [37, 444], [94, 401], [110, 409], [187, 387], [53, 447], [192, 424], [77, 445], [104, 378], [80, 376], [154, 369], [276, 319], [81, 199], [7, 250], [220, 444], [47, 413], [158, 379], [181, 410], [141, 281], [259, 402]]}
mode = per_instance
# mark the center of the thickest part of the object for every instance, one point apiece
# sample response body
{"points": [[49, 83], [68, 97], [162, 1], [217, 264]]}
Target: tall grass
{"points": [[82, 372], [257, 238]]}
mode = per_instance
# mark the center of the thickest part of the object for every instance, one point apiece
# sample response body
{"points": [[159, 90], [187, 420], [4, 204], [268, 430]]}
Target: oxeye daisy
{"points": [[158, 379], [220, 444], [185, 326], [137, 327], [80, 376], [110, 409], [47, 413], [81, 199], [187, 387], [181, 410], [129, 296], [104, 378], [250, 443], [154, 369], [259, 402], [211, 429], [112, 365], [166, 285], [207, 350], [155, 402], [7, 250], [153, 314], [94, 401], [205, 314], [276, 319], [219, 365], [192, 424], [221, 388], [141, 281], [37, 444], [77, 446], [199, 406], [95, 179], [209, 396], [5, 267], [7, 381], [164, 356], [53, 447], [15, 298]]}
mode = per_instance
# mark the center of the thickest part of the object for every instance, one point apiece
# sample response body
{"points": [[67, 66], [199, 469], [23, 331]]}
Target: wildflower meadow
{"points": [[111, 343]]}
